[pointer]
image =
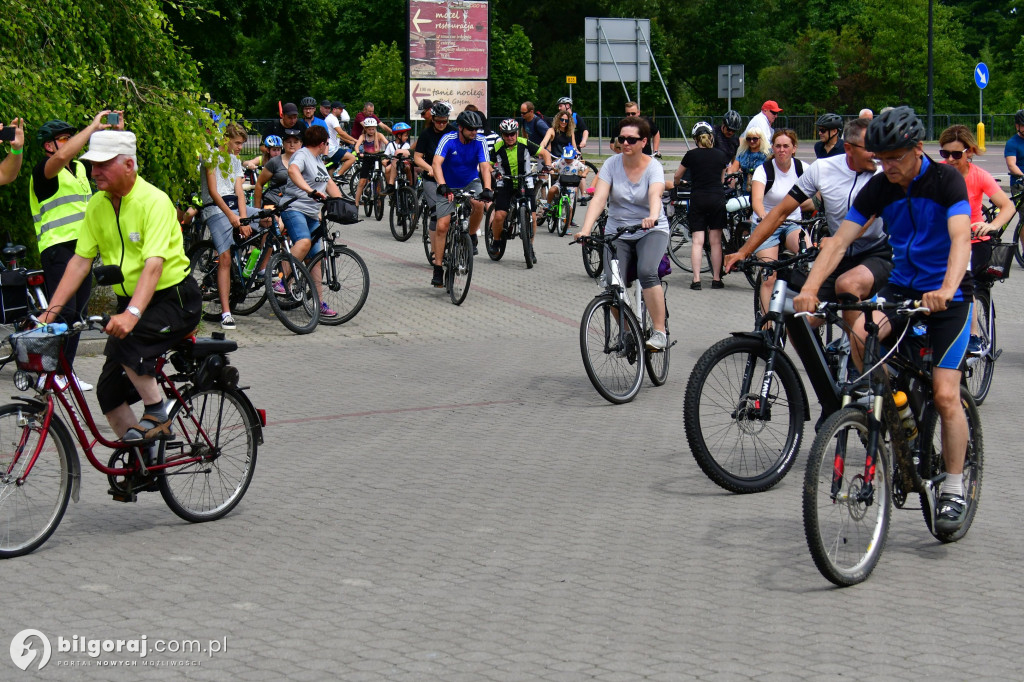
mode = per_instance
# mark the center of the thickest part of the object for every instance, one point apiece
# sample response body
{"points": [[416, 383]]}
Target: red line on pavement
{"points": [[482, 290], [397, 410]]}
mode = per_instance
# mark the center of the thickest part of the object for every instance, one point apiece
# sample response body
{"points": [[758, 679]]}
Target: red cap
{"points": [[771, 105]]}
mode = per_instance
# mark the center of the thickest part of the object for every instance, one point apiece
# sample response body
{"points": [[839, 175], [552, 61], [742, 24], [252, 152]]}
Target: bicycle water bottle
{"points": [[250, 264], [906, 415], [55, 328]]}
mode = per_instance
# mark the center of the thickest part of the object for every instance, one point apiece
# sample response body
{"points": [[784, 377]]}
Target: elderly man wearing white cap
{"points": [[132, 225]]}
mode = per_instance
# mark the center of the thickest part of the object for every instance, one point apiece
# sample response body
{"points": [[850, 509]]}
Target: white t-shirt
{"points": [[780, 188], [574, 167], [394, 147], [332, 133], [225, 182]]}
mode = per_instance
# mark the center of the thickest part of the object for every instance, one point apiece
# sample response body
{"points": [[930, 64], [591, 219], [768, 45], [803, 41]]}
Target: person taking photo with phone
{"points": [[58, 193], [11, 165]]}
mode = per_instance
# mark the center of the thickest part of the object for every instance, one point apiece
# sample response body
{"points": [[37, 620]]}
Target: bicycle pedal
{"points": [[123, 496]]}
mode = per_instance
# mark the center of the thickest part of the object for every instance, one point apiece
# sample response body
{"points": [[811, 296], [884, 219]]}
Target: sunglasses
{"points": [[563, 120], [628, 139], [753, 139], [822, 130], [956, 155], [509, 134], [439, 120]]}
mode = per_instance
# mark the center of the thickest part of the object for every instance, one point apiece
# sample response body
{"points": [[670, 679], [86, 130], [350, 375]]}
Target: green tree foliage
{"points": [[512, 78], [68, 60], [383, 78]]}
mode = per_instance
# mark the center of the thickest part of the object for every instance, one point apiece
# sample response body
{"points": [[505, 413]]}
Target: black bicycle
{"points": [[458, 248], [872, 454], [404, 202], [518, 221], [373, 194], [990, 263], [254, 273], [344, 278]]}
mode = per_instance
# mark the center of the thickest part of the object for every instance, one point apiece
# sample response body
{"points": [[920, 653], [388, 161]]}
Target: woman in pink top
{"points": [[958, 145]]}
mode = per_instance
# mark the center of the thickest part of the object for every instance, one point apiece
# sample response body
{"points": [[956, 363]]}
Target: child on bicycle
{"points": [[223, 209], [396, 150], [370, 142], [569, 163]]}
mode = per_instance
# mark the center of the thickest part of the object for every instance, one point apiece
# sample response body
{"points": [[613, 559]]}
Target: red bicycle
{"points": [[202, 471]]}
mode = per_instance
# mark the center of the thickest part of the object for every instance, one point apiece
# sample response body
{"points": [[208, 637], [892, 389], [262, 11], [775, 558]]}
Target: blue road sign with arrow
{"points": [[981, 75]]}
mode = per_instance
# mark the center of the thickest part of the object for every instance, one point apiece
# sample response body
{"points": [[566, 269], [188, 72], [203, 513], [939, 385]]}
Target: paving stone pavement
{"points": [[442, 495]]}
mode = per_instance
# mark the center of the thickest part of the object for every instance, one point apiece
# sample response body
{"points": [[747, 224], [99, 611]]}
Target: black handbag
{"points": [[341, 210]]}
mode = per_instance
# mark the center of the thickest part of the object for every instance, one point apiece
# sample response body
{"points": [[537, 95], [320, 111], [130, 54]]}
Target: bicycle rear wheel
{"points": [[932, 464], [612, 357], [656, 361], [215, 426], [298, 307], [250, 299], [33, 504], [459, 269], [739, 446], [680, 243], [204, 261], [346, 283], [980, 369], [846, 530]]}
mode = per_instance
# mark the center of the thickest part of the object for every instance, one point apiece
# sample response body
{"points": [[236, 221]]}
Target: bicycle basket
{"points": [[569, 180], [36, 350], [341, 210], [13, 296], [990, 260]]}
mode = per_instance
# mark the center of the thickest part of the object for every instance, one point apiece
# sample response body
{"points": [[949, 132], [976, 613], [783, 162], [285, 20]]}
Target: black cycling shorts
{"points": [[877, 261], [503, 199]]}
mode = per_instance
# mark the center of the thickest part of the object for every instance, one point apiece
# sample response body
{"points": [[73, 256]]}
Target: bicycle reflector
{"points": [[36, 279]]}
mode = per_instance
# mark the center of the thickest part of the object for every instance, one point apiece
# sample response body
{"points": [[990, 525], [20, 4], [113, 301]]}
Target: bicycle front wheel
{"points": [[346, 283], [403, 210], [981, 368], [740, 444], [298, 307], [378, 198], [459, 272], [593, 259], [32, 502], [612, 345], [1018, 251], [213, 427], [526, 232], [565, 209], [204, 259], [846, 521], [931, 459], [425, 222]]}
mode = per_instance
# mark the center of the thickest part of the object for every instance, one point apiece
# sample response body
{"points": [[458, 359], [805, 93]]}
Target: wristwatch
{"points": [[134, 311]]}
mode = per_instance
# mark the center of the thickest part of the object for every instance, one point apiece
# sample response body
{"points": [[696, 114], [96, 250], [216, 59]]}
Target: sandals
{"points": [[147, 430]]}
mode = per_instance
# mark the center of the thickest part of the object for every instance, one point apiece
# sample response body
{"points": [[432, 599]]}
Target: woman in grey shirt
{"points": [[631, 185]]}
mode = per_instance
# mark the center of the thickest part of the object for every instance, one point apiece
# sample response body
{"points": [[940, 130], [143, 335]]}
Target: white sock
{"points": [[225, 315], [953, 484]]}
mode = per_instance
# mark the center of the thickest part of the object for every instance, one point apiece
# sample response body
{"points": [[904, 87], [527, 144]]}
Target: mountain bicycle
{"points": [[202, 472], [615, 328], [373, 195], [871, 454], [404, 201], [344, 277], [22, 293], [458, 248], [990, 262], [518, 221], [254, 273]]}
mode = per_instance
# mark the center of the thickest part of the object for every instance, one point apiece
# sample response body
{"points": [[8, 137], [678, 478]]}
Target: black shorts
{"points": [[503, 198], [878, 261], [948, 330], [366, 168], [706, 212], [172, 315]]}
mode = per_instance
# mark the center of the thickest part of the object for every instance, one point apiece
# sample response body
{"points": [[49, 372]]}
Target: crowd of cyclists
{"points": [[899, 223]]}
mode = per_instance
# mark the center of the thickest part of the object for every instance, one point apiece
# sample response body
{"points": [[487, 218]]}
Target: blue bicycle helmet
{"points": [[400, 127], [569, 153], [273, 141]]}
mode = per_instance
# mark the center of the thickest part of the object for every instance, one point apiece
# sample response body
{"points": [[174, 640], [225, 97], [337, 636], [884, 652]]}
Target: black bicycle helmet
{"points": [[470, 119], [898, 128], [830, 122], [52, 129], [732, 120], [1018, 118], [440, 110], [307, 102]]}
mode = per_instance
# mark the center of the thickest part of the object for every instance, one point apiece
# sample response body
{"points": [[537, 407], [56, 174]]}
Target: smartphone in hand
{"points": [[113, 118], [7, 134]]}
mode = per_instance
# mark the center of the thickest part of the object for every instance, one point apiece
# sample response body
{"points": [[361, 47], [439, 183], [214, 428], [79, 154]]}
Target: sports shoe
{"points": [[974, 345], [83, 385], [658, 340], [279, 288], [227, 322], [438, 279], [952, 510], [717, 284], [326, 310], [695, 286]]}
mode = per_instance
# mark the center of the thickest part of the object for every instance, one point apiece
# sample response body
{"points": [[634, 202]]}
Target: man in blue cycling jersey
{"points": [[460, 162], [927, 217], [1013, 152]]}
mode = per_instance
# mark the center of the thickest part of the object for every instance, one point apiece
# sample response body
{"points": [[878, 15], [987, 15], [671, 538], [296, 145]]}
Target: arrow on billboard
{"points": [[418, 94], [982, 78], [416, 21]]}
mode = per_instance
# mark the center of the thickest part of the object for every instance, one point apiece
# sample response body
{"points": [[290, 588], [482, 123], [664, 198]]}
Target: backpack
{"points": [[769, 172]]}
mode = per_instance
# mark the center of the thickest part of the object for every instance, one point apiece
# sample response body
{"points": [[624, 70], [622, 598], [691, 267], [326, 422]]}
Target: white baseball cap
{"points": [[106, 144]]}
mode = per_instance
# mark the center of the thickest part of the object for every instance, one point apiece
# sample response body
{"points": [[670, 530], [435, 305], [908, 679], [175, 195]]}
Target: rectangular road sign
{"points": [[612, 43], [448, 39], [571, 80], [458, 92], [730, 81]]}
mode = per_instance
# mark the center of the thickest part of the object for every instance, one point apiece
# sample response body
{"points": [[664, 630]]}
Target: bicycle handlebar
{"points": [[268, 212], [905, 307], [608, 238], [753, 262]]}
